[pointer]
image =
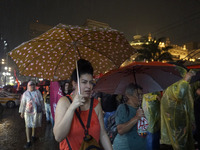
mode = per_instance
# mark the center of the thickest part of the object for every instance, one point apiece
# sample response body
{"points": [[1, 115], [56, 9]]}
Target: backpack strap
{"points": [[90, 113]]}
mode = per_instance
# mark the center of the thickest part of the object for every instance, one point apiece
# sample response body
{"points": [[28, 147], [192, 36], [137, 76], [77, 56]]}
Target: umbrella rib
{"points": [[70, 46], [61, 59], [100, 53], [89, 40], [74, 41], [38, 56], [77, 49], [67, 50]]}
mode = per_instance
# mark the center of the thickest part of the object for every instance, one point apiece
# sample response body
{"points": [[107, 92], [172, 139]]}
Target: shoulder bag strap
{"points": [[89, 116], [33, 98], [90, 113], [77, 114], [82, 124], [70, 148]]}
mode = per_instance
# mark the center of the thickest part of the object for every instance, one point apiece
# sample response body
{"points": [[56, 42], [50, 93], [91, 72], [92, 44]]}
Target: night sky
{"points": [[177, 19]]}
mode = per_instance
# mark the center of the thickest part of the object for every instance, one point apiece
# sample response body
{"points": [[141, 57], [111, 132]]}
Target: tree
{"points": [[152, 51]]}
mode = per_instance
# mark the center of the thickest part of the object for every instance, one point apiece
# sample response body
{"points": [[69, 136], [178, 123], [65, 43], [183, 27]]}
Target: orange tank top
{"points": [[76, 134]]}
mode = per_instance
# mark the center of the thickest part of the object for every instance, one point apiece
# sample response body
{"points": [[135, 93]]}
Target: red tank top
{"points": [[76, 134]]}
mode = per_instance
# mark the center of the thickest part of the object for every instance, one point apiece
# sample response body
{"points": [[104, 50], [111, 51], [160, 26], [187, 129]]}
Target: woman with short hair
{"points": [[127, 116], [67, 124]]}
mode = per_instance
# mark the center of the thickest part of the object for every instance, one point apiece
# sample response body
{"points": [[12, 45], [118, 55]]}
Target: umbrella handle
{"points": [[78, 81]]}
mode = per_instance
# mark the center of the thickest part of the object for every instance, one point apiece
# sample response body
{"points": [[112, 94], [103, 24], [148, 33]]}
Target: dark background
{"points": [[177, 19]]}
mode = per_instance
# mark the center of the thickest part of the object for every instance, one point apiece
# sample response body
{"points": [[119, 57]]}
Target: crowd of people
{"points": [[35, 101], [172, 115]]}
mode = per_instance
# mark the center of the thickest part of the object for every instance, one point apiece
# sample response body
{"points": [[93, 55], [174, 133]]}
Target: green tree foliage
{"points": [[151, 51]]}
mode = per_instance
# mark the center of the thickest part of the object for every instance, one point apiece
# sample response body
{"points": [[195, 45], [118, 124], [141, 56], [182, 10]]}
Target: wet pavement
{"points": [[13, 136]]}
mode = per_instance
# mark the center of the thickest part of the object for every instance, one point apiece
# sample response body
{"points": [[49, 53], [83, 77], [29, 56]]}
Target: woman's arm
{"points": [[64, 115], [63, 118], [22, 106], [104, 139], [126, 127]]}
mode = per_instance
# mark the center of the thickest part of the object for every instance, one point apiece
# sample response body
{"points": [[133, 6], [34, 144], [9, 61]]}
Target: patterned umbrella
{"points": [[53, 54]]}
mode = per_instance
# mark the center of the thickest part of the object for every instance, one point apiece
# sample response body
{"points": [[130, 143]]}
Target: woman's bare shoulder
{"points": [[63, 101], [98, 108]]}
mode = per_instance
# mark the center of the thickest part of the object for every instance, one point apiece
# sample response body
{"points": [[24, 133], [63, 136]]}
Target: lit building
{"points": [[192, 45], [178, 52], [138, 41]]}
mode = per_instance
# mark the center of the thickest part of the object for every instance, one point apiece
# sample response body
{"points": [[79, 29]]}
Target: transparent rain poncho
{"points": [[151, 107], [30, 102], [177, 116]]}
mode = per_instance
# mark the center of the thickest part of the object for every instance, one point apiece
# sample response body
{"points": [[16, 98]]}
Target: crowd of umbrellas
{"points": [[53, 55]]}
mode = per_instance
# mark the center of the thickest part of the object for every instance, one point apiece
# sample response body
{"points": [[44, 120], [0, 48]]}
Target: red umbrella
{"points": [[152, 77]]}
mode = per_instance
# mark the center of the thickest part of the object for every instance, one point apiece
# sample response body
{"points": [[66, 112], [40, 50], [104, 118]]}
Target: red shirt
{"points": [[76, 134]]}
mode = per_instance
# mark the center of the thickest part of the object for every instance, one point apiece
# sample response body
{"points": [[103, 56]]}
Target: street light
{"points": [[2, 61], [5, 74]]}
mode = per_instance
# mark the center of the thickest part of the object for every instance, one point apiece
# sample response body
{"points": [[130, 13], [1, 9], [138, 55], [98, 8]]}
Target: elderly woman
{"points": [[31, 109], [127, 116]]}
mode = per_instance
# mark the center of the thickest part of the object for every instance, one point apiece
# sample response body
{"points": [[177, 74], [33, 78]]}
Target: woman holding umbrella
{"points": [[66, 121]]}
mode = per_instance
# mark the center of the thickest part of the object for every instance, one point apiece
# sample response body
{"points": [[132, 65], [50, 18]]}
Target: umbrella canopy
{"points": [[52, 55], [152, 77]]}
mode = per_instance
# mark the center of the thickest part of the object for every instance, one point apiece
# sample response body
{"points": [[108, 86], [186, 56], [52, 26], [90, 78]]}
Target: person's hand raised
{"points": [[78, 100], [139, 113], [189, 75]]}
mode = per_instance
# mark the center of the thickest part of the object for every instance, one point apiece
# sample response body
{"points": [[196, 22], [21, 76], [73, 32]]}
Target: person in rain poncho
{"points": [[177, 115], [31, 109], [196, 93], [151, 107]]}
